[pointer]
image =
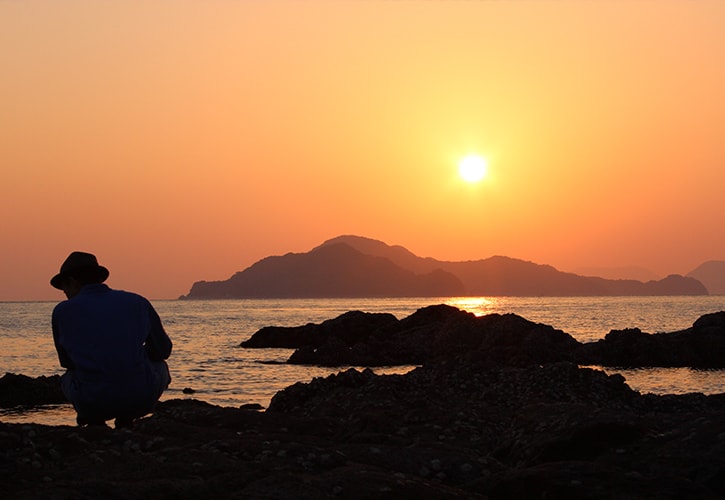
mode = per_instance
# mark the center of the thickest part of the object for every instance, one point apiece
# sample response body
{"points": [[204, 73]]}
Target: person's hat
{"points": [[77, 261]]}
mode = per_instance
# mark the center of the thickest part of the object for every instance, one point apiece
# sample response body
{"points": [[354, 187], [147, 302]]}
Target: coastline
{"points": [[503, 420], [453, 430]]}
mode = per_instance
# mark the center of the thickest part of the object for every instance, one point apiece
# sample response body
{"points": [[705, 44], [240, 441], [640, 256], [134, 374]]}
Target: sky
{"points": [[182, 141]]}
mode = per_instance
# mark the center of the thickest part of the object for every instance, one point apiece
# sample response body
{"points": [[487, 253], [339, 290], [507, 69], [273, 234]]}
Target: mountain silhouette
{"points": [[329, 271], [614, 273], [712, 275], [354, 266]]}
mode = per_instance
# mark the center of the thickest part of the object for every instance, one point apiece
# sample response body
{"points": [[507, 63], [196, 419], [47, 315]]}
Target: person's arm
{"points": [[63, 357], [158, 343]]}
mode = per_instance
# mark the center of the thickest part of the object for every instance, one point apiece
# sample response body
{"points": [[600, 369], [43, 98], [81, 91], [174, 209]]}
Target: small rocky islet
{"points": [[498, 408]]}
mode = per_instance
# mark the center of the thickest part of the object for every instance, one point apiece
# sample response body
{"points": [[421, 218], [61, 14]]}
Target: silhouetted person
{"points": [[112, 344]]}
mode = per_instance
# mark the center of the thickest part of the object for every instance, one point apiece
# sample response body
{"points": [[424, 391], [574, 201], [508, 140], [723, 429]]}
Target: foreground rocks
{"points": [[448, 430]]}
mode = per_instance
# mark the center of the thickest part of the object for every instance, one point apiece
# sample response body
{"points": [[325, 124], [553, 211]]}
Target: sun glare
{"points": [[472, 168]]}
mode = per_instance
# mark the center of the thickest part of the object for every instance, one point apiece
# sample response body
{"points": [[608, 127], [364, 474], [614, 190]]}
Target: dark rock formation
{"points": [[701, 346], [431, 333], [351, 327], [351, 266], [18, 390], [441, 332]]}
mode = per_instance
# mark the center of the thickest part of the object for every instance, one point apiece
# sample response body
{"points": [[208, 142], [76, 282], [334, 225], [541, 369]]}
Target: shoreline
{"points": [[496, 410], [449, 430]]}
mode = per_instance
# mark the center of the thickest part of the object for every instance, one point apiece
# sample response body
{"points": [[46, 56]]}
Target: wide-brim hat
{"points": [[79, 261]]}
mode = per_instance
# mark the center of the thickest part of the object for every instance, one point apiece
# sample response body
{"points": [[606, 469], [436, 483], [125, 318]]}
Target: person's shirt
{"points": [[108, 333]]}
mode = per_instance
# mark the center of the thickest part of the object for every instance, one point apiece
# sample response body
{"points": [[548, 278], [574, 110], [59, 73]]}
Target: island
{"points": [[354, 266]]}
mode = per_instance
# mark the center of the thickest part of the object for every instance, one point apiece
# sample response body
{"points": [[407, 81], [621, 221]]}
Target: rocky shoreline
{"points": [[466, 424]]}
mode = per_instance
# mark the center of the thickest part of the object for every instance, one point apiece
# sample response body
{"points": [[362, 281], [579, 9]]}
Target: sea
{"points": [[208, 359]]}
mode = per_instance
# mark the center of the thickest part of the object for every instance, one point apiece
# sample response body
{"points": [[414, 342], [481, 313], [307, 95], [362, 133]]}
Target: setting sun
{"points": [[472, 168]]}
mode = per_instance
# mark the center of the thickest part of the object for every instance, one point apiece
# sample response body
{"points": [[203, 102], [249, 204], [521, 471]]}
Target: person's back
{"points": [[112, 343]]}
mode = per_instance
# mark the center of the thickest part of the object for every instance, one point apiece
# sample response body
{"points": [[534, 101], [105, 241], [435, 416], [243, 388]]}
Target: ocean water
{"points": [[207, 357]]}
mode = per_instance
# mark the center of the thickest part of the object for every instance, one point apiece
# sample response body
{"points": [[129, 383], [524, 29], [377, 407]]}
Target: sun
{"points": [[473, 168]]}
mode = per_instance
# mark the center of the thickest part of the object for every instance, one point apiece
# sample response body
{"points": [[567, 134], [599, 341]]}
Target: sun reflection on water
{"points": [[479, 306]]}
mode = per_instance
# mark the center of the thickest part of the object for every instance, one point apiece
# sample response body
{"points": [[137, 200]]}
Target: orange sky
{"points": [[185, 140]]}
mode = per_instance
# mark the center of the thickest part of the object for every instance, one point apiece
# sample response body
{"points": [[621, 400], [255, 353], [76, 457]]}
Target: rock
{"points": [[429, 334], [701, 346], [18, 390], [251, 406], [350, 327], [715, 321]]}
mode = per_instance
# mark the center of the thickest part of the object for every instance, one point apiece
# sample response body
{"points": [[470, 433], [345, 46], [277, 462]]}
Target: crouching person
{"points": [[112, 344]]}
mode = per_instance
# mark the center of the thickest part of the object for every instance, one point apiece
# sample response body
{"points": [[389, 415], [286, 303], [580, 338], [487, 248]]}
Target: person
{"points": [[112, 344]]}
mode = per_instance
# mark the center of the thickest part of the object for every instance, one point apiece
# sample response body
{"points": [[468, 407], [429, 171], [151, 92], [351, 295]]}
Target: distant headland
{"points": [[354, 266]]}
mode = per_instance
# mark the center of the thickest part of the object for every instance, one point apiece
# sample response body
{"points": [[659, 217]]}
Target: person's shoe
{"points": [[87, 421]]}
